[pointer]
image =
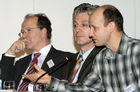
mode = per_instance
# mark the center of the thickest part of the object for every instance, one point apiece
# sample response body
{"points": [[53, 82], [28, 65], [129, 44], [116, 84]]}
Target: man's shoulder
{"points": [[133, 40], [134, 43], [134, 46], [60, 52]]}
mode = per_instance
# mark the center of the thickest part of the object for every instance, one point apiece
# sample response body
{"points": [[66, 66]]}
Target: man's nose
{"points": [[91, 34], [78, 28], [24, 35]]}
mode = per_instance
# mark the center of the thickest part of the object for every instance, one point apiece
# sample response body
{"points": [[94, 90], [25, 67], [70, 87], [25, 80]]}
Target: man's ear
{"points": [[44, 31], [111, 26]]}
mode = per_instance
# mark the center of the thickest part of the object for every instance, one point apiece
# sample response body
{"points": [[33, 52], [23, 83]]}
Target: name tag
{"points": [[50, 63], [129, 88]]}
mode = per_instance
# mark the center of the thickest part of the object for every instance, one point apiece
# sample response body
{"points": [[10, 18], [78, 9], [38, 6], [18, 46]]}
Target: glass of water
{"points": [[9, 85], [40, 88]]}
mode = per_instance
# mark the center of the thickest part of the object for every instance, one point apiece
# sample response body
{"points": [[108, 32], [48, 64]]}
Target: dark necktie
{"points": [[76, 68], [31, 70]]}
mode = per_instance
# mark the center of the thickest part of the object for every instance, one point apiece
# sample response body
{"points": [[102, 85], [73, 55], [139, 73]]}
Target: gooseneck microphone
{"points": [[66, 60], [90, 37]]}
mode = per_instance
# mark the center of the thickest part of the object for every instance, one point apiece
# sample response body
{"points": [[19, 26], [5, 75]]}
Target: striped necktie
{"points": [[31, 70], [76, 68]]}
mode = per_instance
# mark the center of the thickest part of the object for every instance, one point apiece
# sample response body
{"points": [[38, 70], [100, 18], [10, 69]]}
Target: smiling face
{"points": [[100, 33], [32, 34], [81, 29]]}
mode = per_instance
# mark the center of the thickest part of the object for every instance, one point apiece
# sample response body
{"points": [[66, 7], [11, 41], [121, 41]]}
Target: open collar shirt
{"points": [[84, 56], [119, 73]]}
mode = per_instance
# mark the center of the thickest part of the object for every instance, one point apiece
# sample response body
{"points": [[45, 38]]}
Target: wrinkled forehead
{"points": [[32, 21]]}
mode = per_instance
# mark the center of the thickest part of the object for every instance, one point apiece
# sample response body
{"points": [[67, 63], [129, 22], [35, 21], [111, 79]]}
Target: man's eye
{"points": [[85, 25], [91, 26], [74, 25], [29, 29], [22, 32]]}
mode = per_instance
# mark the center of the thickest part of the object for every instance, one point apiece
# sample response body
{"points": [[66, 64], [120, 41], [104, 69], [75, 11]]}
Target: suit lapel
{"points": [[25, 63], [22, 65], [70, 66], [89, 60], [48, 57]]}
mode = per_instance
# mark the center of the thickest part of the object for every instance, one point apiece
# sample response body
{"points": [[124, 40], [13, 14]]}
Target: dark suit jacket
{"points": [[86, 68], [10, 72]]}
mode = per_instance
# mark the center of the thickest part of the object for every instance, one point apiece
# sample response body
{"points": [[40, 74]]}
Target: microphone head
{"points": [[67, 58], [90, 37]]}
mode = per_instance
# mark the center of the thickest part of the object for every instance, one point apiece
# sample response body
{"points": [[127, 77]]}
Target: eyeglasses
{"points": [[27, 30]]}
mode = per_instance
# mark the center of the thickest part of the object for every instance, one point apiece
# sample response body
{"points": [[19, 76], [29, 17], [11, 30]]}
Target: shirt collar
{"points": [[85, 55], [123, 46], [122, 49], [44, 51]]}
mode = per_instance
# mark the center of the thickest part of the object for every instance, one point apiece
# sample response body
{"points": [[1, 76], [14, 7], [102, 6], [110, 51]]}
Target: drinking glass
{"points": [[9, 85], [40, 88]]}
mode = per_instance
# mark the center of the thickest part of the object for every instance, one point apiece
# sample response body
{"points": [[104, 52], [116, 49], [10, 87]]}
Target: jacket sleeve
{"points": [[92, 83], [7, 67]]}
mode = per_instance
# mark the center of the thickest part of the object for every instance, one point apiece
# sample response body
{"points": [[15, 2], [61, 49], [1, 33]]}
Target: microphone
{"points": [[90, 37], [66, 60]]}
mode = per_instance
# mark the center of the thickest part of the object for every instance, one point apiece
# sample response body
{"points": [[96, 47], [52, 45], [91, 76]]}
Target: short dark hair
{"points": [[113, 14], [84, 7], [43, 22]]}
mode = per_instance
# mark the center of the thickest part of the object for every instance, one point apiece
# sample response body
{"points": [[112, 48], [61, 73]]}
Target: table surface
{"points": [[6, 91]]}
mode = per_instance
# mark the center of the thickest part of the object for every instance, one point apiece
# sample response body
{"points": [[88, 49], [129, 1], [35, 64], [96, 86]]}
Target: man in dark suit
{"points": [[35, 36], [88, 50]]}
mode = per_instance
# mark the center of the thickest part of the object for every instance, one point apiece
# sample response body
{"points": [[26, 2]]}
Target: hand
{"points": [[17, 46], [33, 77]]}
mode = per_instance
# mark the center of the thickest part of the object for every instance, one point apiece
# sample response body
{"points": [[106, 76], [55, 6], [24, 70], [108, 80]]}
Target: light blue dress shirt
{"points": [[84, 55]]}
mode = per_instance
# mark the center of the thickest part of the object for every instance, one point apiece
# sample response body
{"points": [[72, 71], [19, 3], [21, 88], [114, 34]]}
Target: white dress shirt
{"points": [[44, 52]]}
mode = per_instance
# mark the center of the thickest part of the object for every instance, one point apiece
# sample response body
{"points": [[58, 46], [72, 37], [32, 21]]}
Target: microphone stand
{"points": [[50, 72]]}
